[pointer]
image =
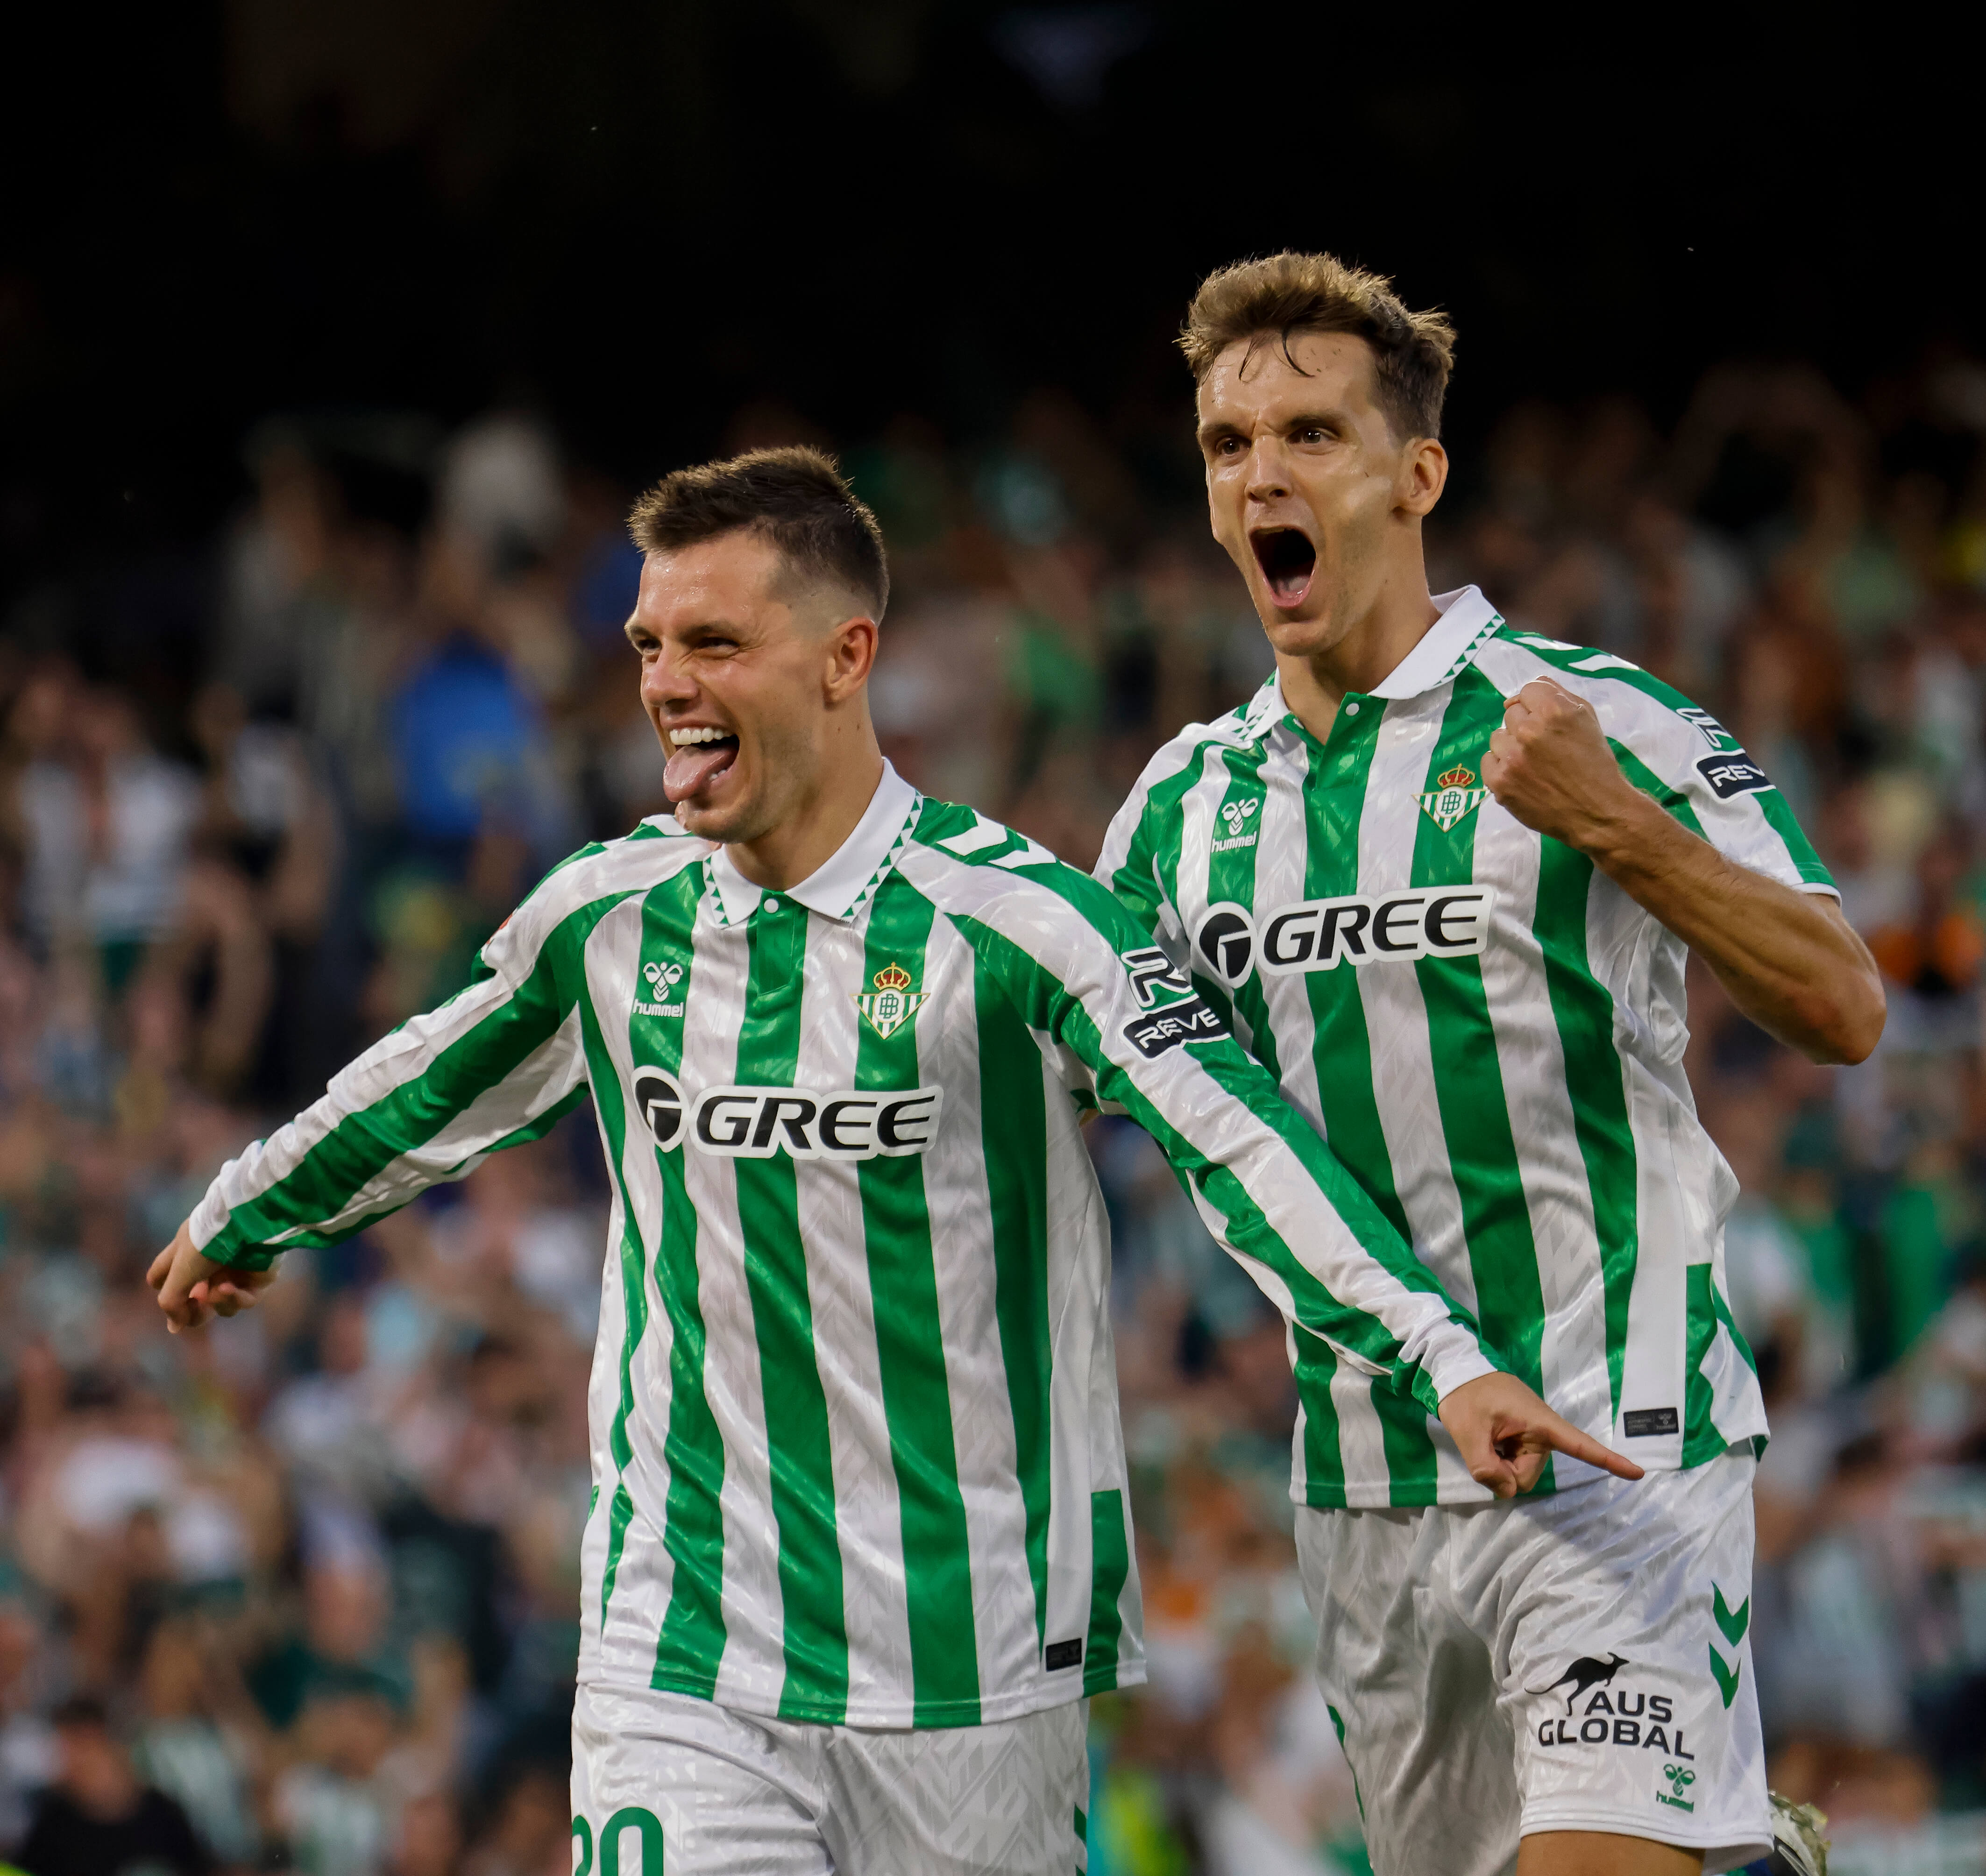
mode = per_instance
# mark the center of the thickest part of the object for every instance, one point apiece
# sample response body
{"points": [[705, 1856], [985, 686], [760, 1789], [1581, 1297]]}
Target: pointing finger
{"points": [[1577, 1445]]}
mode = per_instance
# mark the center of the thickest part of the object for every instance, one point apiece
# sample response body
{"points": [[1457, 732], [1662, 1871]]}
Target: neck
{"points": [[811, 836], [1360, 656]]}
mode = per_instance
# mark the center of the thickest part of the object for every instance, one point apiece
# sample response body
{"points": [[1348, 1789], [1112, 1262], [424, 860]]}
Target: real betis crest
{"points": [[1454, 795], [892, 1003]]}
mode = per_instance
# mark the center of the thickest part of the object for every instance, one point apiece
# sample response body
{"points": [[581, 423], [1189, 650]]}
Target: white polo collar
{"points": [[837, 888], [1446, 649]]}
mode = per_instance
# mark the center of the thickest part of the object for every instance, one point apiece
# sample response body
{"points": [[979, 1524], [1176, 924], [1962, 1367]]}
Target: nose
{"points": [[1268, 469], [666, 682]]}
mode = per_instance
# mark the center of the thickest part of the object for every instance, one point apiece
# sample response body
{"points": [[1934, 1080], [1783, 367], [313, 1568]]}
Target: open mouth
{"points": [[1287, 559], [698, 754]]}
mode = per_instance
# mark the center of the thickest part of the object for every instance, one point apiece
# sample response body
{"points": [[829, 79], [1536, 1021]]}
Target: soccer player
{"points": [[1440, 874], [859, 1546]]}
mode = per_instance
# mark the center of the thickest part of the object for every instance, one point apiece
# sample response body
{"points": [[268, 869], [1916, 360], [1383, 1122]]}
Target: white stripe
{"points": [[868, 1513], [645, 1574], [752, 1673], [960, 1208]]}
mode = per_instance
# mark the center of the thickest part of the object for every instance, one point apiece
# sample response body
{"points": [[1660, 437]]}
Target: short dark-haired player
{"points": [[860, 1544], [1441, 874]]}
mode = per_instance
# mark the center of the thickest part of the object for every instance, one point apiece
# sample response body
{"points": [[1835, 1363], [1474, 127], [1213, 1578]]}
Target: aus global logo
{"points": [[1602, 1710]]}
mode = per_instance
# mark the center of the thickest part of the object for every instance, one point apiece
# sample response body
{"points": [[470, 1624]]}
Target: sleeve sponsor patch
{"points": [[1732, 773], [1157, 1031]]}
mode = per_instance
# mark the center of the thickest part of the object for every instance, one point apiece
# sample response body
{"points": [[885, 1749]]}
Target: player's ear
{"points": [[1423, 475], [850, 656]]}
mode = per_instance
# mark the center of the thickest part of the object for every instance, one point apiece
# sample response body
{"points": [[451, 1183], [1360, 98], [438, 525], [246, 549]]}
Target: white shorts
{"points": [[1578, 1662], [661, 1781]]}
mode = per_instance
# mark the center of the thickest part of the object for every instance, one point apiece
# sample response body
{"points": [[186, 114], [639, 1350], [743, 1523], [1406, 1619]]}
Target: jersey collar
{"points": [[1446, 650], [838, 888]]}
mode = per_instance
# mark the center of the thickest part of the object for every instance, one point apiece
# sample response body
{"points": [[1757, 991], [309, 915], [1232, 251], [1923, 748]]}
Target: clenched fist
{"points": [[1551, 767]]}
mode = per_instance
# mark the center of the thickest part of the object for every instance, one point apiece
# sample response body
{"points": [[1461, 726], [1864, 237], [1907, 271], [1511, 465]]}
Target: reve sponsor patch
{"points": [[1733, 773], [1157, 1031]]}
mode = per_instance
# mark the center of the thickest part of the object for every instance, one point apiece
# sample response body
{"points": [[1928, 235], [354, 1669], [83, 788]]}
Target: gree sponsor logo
{"points": [[1319, 934], [808, 1123]]}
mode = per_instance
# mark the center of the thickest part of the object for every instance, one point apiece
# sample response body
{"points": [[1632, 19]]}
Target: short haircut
{"points": [[1289, 293], [795, 498]]}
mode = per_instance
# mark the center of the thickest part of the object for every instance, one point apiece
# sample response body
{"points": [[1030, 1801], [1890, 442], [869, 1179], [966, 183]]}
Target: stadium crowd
{"points": [[302, 1592]]}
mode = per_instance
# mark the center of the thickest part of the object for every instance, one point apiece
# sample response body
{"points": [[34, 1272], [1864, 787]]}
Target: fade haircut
{"points": [[1255, 300], [794, 497]]}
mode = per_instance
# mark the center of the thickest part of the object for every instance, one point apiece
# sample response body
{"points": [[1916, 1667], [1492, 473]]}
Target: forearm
{"points": [[1788, 959]]}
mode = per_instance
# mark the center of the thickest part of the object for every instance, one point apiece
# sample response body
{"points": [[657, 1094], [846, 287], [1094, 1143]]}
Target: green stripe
{"points": [[910, 1348], [796, 1431], [1596, 1084], [1232, 876], [1334, 792], [1323, 1457], [1110, 1565], [1672, 800], [633, 1285], [1136, 883], [1701, 1439], [689, 1646], [1013, 1104], [1468, 1076]]}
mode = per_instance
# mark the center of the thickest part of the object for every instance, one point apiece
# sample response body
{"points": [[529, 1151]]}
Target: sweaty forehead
{"points": [[1261, 373]]}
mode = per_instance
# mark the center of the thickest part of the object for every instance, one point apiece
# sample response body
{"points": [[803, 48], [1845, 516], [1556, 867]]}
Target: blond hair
{"points": [[1288, 293]]}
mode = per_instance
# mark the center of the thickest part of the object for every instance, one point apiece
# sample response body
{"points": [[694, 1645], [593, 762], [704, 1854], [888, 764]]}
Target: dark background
{"points": [[640, 216]]}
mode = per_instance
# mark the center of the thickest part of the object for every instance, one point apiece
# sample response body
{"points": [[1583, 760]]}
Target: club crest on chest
{"points": [[892, 1001], [1456, 794]]}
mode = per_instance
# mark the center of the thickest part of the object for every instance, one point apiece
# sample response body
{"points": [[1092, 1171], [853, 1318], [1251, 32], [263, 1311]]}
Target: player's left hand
{"points": [[191, 1286], [1506, 1433], [1550, 766]]}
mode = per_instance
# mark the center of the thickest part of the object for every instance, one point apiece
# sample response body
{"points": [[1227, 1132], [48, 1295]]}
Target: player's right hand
{"points": [[1506, 1433], [192, 1287]]}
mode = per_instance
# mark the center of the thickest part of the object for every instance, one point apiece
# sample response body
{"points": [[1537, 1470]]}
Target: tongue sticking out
{"points": [[692, 769]]}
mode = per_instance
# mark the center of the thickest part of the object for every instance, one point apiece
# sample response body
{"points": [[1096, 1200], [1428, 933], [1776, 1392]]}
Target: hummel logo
{"points": [[662, 979], [1238, 814]]}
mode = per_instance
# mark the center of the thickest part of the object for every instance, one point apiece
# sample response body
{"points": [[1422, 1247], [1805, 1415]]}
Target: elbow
{"points": [[1846, 1029]]}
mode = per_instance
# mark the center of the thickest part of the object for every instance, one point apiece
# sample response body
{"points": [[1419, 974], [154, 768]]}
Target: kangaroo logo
{"points": [[1238, 814], [1582, 1675]]}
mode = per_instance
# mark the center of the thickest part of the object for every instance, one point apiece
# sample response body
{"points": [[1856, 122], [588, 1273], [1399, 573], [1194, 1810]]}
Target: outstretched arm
{"points": [[495, 1065], [1789, 959]]}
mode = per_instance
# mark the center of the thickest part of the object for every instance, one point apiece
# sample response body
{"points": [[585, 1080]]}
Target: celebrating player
{"points": [[1440, 873], [860, 1544]]}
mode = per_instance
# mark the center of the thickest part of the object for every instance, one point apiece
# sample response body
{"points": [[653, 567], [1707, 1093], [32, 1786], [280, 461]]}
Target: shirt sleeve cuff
{"points": [[1457, 1359]]}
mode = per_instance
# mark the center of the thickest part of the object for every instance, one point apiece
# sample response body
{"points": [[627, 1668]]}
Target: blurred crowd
{"points": [[302, 1592]]}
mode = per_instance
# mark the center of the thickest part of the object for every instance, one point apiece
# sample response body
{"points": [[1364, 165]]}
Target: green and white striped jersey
{"points": [[1489, 1032], [855, 1431]]}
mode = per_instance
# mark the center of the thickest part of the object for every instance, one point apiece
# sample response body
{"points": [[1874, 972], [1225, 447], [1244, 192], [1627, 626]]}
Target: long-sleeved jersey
{"points": [[854, 1419], [1488, 1032]]}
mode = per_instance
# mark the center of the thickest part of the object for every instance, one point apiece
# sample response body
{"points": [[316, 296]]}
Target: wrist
{"points": [[1616, 834]]}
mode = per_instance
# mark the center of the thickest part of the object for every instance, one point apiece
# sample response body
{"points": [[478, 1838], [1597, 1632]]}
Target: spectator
{"points": [[98, 1817]]}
